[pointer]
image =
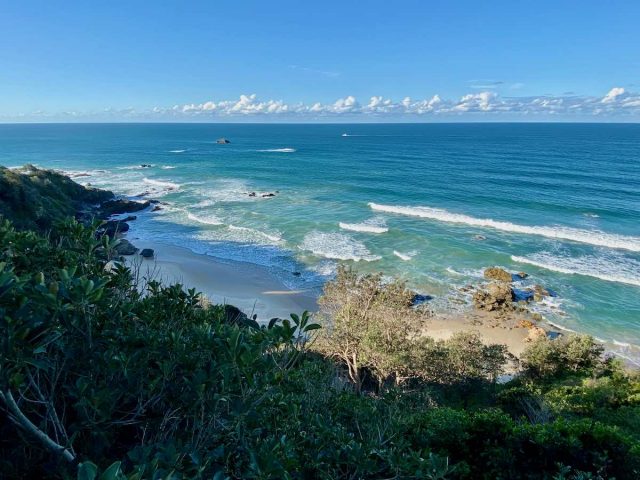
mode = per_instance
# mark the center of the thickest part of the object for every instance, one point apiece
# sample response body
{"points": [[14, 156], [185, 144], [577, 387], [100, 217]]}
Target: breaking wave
{"points": [[610, 268], [363, 227], [158, 183], [336, 246], [210, 220], [591, 237]]}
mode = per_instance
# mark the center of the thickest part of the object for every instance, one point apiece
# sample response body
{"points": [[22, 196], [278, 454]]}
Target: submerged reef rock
{"points": [[147, 253]]}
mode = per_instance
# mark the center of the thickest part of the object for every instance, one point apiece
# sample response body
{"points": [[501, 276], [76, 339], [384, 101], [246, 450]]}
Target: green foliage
{"points": [[102, 378], [35, 199], [567, 355]]}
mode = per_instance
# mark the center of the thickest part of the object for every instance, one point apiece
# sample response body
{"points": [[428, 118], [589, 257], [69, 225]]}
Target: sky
{"points": [[192, 60]]}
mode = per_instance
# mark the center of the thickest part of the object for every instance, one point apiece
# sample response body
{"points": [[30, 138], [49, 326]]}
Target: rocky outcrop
{"points": [[222, 141], [497, 296], [114, 207], [125, 247], [113, 227], [535, 333], [497, 273], [147, 253]]}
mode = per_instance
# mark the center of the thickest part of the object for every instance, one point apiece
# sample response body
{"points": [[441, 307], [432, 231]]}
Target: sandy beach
{"points": [[249, 287], [255, 290]]}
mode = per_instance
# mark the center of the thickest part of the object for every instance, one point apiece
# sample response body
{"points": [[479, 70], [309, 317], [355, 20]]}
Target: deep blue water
{"points": [[432, 203]]}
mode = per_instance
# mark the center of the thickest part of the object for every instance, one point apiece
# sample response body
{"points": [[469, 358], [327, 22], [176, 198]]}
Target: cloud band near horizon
{"points": [[618, 103]]}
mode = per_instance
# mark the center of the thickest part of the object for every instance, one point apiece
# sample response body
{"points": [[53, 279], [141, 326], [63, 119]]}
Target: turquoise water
{"points": [[434, 204]]}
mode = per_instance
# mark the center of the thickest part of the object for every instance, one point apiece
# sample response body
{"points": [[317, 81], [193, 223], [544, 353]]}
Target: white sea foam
{"points": [[367, 227], [136, 167], [167, 167], [159, 183], [209, 220], [591, 237], [177, 151], [611, 268], [404, 256], [336, 246], [251, 232], [279, 150]]}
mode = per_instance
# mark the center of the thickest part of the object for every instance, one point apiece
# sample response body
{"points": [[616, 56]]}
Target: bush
{"points": [[572, 354]]}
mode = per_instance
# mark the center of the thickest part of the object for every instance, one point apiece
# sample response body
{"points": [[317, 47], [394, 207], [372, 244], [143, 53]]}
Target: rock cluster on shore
{"points": [[501, 298]]}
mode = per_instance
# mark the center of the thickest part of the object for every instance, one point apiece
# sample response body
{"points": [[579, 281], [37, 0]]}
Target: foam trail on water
{"points": [[212, 220], [279, 150], [251, 231], [607, 268], [177, 151], [363, 227], [158, 183], [598, 238], [336, 246], [404, 256]]}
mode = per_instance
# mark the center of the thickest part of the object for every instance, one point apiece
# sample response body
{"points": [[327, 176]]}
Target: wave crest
{"points": [[364, 227], [159, 183], [591, 237], [610, 268], [336, 246], [210, 220]]}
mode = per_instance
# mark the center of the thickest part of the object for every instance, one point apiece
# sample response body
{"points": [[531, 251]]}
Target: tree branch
{"points": [[21, 420]]}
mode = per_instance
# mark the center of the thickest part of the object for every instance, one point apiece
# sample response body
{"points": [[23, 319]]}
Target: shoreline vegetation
{"points": [[114, 366]]}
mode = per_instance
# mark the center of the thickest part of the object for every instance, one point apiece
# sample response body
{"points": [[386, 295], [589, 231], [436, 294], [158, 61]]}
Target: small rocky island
{"points": [[222, 141]]}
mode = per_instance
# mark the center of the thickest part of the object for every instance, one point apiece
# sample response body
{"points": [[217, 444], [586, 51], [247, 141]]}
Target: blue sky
{"points": [[403, 60]]}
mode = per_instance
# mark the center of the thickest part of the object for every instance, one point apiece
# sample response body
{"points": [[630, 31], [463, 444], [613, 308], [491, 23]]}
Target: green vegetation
{"points": [[102, 377], [34, 199]]}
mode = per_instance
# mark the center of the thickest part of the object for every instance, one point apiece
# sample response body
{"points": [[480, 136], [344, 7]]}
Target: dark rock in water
{"points": [[265, 195], [157, 208], [497, 273], [125, 247], [419, 299], [222, 141], [521, 275], [146, 165], [523, 295], [147, 253], [296, 274], [113, 227], [479, 237], [252, 194], [130, 218], [113, 207], [236, 316], [497, 296]]}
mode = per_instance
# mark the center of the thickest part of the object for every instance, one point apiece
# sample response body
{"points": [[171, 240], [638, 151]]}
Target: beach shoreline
{"points": [[251, 288], [256, 291]]}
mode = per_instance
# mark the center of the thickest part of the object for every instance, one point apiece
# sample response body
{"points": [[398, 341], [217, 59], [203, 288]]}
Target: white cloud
{"points": [[613, 95], [617, 103]]}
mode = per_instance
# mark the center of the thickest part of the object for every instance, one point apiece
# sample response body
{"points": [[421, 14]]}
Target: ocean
{"points": [[434, 204]]}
